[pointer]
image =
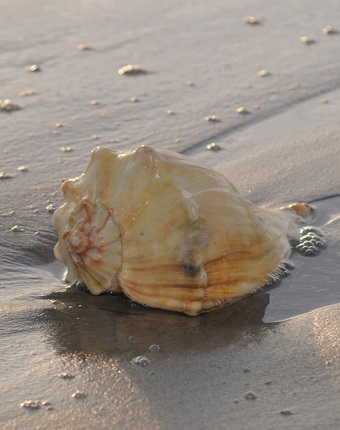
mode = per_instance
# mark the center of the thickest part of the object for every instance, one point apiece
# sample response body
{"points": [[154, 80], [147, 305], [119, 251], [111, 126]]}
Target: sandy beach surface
{"points": [[269, 361]]}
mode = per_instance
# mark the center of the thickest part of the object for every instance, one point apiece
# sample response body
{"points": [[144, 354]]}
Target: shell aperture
{"points": [[167, 232]]}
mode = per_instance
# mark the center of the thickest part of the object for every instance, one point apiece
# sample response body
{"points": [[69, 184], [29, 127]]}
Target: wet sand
{"points": [[271, 360]]}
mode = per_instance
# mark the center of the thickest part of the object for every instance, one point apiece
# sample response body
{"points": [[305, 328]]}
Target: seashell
{"points": [[167, 232]]}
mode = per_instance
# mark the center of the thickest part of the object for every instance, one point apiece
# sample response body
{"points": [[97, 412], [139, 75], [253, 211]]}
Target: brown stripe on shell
{"points": [[180, 299], [182, 292], [97, 284], [175, 274]]}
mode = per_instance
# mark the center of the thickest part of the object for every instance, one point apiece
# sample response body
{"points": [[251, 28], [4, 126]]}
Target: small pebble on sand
{"points": [[189, 83], [134, 99], [22, 169], [329, 30], [4, 175], [50, 208], [78, 395], [27, 93], [212, 118], [66, 376], [169, 112], [17, 229], [94, 102], [33, 68], [66, 149], [30, 404], [251, 20], [213, 147], [263, 73], [8, 106], [82, 47], [307, 40], [131, 70], [58, 124], [242, 110], [286, 413], [9, 213]]}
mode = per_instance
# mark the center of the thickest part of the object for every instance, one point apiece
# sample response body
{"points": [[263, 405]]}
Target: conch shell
{"points": [[166, 232]]}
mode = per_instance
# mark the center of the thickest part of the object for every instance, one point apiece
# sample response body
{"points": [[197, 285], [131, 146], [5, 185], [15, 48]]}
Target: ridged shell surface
{"points": [[166, 231]]}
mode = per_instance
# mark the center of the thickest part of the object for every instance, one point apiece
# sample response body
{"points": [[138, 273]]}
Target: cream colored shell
{"points": [[166, 231]]}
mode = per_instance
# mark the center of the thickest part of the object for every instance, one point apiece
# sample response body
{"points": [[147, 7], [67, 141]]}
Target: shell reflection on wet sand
{"points": [[167, 232]]}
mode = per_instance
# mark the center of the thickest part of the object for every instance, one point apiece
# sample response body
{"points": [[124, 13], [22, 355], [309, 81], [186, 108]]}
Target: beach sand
{"points": [[271, 360]]}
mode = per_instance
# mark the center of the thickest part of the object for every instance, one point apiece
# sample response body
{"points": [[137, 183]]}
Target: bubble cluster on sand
{"points": [[250, 396], [50, 208], [141, 361], [311, 241], [154, 347]]}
